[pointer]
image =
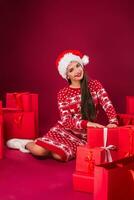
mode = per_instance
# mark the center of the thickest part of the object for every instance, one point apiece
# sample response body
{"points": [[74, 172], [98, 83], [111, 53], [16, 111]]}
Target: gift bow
{"points": [[108, 156]]}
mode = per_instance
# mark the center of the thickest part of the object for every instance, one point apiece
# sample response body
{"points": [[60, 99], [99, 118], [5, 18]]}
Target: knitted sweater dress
{"points": [[70, 131]]}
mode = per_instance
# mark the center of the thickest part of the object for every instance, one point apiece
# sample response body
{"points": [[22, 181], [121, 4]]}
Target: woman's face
{"points": [[75, 71]]}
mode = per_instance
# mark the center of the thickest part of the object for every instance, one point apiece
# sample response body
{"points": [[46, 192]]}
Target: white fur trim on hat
{"points": [[66, 59]]}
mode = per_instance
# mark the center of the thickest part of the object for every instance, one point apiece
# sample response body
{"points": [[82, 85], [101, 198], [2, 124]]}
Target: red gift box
{"points": [[20, 101], [83, 182], [122, 138], [24, 101], [86, 158], [132, 120], [18, 124], [125, 119], [126, 141], [106, 138], [115, 181], [130, 104], [95, 137]]}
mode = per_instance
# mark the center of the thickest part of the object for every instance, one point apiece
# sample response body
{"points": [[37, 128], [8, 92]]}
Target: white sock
{"points": [[19, 144]]}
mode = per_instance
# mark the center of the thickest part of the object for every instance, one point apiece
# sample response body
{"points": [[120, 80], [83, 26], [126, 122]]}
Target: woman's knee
{"points": [[36, 149], [57, 157]]}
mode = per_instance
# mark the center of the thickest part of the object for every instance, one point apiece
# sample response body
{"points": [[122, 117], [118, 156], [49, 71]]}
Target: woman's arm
{"points": [[106, 104]]}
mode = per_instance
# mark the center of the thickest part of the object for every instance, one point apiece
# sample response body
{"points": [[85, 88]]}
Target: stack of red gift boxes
{"points": [[19, 119], [95, 171]]}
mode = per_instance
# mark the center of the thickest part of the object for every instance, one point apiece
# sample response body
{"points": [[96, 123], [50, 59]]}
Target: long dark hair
{"points": [[88, 110]]}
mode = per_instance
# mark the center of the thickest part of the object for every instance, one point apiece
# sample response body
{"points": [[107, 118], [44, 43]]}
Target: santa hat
{"points": [[68, 56]]}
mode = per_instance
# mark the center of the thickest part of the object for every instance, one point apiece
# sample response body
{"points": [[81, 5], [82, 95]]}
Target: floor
{"points": [[23, 176]]}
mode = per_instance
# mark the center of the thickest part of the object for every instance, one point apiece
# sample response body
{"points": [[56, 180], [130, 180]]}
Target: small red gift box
{"points": [[24, 101], [130, 104], [115, 181], [18, 124], [86, 158], [83, 182]]}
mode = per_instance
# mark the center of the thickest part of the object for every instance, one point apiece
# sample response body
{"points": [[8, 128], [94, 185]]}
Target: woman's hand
{"points": [[95, 125], [111, 126]]}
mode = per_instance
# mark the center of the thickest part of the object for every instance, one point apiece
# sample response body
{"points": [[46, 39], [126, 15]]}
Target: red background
{"points": [[34, 32]]}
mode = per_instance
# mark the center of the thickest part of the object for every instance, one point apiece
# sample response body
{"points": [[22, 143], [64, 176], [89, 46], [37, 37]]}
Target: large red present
{"points": [[83, 182], [106, 138], [115, 181], [18, 124], [122, 138], [102, 137], [24, 101]]}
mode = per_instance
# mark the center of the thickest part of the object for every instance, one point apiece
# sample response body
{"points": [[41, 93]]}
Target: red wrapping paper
{"points": [[19, 100], [122, 138], [126, 141], [24, 101], [95, 137], [114, 181], [132, 120], [86, 158], [19, 124]]}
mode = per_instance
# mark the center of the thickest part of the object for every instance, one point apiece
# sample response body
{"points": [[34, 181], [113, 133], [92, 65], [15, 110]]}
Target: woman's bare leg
{"points": [[56, 156], [37, 150]]}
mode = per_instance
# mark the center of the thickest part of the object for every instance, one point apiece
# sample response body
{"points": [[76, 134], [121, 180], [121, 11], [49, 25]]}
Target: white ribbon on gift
{"points": [[108, 156]]}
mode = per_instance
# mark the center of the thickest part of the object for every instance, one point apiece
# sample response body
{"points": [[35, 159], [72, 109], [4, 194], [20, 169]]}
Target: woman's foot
{"points": [[19, 144]]}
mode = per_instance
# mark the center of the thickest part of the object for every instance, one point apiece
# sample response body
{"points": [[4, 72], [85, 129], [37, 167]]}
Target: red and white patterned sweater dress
{"points": [[70, 131]]}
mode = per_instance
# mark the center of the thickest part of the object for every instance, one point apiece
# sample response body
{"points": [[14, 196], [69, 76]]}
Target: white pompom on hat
{"points": [[68, 56]]}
